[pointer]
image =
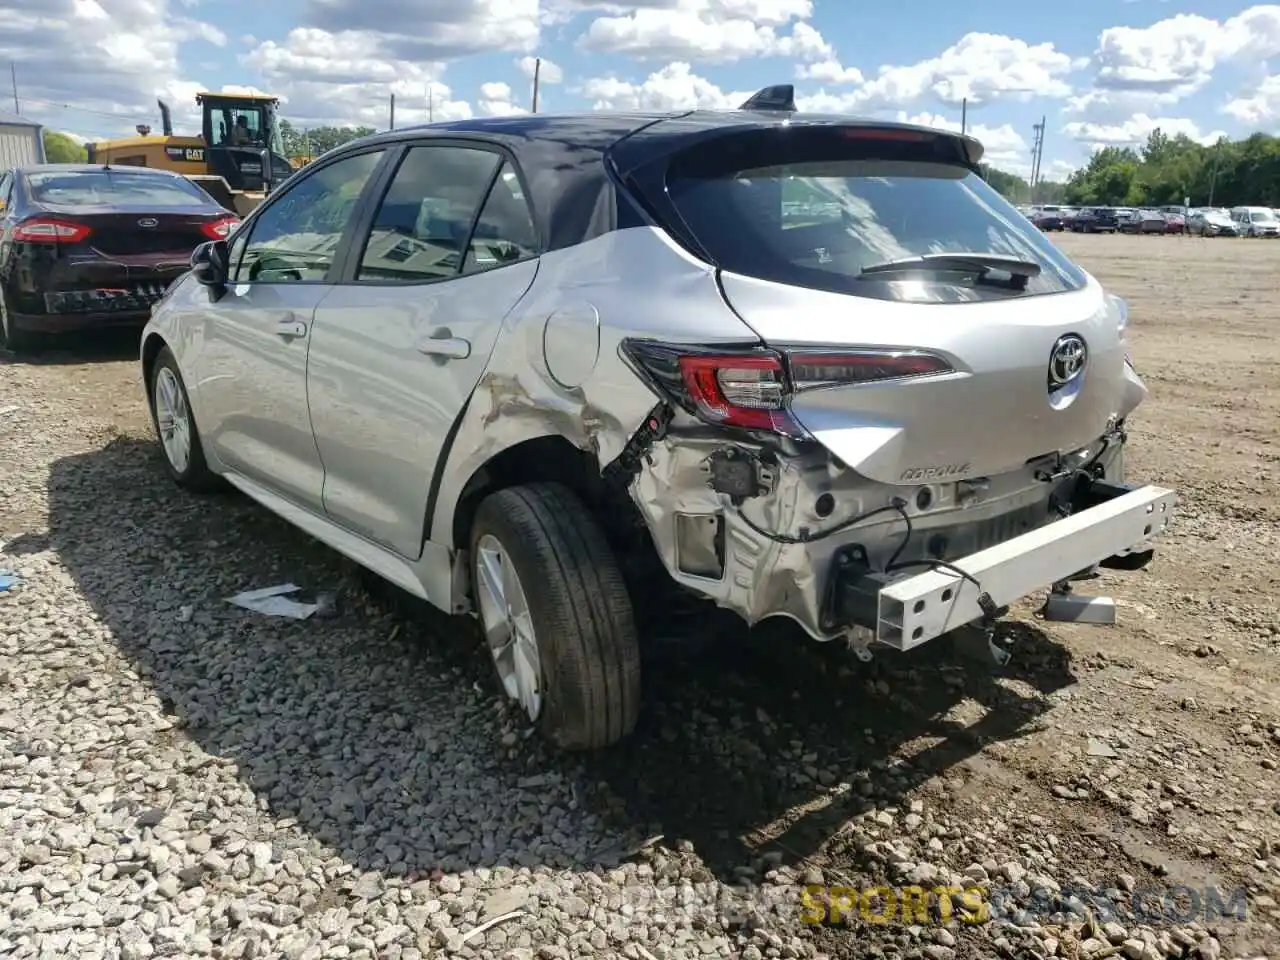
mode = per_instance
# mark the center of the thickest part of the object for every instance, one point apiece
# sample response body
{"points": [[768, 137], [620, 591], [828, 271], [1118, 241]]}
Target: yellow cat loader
{"points": [[239, 141]]}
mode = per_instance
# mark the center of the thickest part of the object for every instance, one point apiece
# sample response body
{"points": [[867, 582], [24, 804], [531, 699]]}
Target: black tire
{"points": [[11, 337], [580, 608], [196, 475]]}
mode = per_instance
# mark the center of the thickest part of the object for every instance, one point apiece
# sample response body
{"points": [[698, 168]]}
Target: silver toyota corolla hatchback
{"points": [[801, 366]]}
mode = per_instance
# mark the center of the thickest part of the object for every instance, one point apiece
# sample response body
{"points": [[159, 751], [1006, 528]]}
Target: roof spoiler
{"points": [[780, 98]]}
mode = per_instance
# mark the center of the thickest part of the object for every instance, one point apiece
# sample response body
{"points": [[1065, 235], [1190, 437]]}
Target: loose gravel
{"points": [[182, 778]]}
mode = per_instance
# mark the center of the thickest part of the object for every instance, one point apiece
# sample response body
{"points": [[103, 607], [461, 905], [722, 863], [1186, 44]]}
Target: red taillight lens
{"points": [[49, 230], [821, 369], [219, 229], [738, 391], [752, 389]]}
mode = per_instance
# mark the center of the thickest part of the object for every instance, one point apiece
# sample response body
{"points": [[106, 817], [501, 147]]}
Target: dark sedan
{"points": [[89, 247]]}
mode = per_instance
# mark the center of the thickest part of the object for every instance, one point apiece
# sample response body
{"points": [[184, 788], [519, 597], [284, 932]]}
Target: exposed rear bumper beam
{"points": [[906, 610]]}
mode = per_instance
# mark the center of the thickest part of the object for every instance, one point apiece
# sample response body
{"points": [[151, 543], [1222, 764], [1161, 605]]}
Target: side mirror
{"points": [[209, 264], [268, 172]]}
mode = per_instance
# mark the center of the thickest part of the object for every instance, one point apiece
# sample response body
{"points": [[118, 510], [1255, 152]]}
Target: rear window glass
{"points": [[112, 188], [815, 209]]}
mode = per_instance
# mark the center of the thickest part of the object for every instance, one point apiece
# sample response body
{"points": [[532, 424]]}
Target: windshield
{"points": [[110, 188], [819, 222]]}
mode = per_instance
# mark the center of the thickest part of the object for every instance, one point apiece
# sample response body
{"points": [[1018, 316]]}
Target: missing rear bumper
{"points": [[128, 298], [904, 610]]}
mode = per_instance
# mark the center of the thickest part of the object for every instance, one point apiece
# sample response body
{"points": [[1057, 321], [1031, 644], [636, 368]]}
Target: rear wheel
{"points": [[556, 615], [11, 337], [176, 426]]}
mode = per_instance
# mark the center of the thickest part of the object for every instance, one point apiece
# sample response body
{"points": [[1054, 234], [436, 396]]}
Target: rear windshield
{"points": [[112, 188], [812, 208]]}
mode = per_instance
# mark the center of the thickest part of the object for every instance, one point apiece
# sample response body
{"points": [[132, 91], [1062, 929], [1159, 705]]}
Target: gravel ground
{"points": [[182, 778]]}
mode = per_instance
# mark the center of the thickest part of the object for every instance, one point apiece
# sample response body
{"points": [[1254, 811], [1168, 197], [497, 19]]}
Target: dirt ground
{"points": [[1100, 758]]}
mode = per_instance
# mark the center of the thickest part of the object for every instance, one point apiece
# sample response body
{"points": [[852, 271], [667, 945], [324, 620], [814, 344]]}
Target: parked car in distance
{"points": [[1095, 220], [1256, 221], [1211, 222], [89, 247], [1048, 218], [1175, 223], [558, 371]]}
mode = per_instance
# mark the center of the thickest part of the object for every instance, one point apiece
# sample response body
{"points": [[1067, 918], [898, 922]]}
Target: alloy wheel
{"points": [[508, 626]]}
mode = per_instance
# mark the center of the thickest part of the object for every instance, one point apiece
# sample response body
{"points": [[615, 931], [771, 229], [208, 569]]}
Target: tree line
{"points": [[1169, 170]]}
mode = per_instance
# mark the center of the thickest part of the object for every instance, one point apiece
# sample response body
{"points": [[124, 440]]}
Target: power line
{"points": [[123, 117]]}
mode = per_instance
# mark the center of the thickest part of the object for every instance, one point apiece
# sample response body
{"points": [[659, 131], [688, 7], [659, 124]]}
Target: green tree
{"points": [[1168, 169], [60, 148], [317, 140]]}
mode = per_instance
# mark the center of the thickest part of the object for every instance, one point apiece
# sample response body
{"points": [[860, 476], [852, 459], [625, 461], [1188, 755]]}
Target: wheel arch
{"points": [[551, 457], [151, 347]]}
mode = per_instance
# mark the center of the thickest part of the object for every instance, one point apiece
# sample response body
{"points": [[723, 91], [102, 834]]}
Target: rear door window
{"points": [[814, 208], [423, 223]]}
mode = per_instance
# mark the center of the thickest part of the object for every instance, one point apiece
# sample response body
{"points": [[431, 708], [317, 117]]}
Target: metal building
{"points": [[21, 141]]}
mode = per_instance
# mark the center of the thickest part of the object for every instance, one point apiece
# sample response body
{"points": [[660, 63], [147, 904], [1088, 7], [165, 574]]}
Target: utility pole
{"points": [[964, 116], [431, 103], [13, 72], [393, 111], [537, 75], [1037, 152]]}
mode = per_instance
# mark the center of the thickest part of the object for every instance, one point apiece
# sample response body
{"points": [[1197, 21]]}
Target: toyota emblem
{"points": [[1067, 361], [148, 222]]}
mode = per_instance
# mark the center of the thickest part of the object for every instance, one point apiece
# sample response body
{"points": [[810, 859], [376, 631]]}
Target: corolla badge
{"points": [[1067, 361], [148, 222]]}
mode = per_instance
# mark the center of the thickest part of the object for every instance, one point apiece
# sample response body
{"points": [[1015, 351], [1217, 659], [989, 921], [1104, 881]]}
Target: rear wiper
{"points": [[1020, 271]]}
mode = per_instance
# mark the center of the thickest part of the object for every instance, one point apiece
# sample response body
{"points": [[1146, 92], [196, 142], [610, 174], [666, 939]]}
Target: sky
{"points": [[1100, 72]]}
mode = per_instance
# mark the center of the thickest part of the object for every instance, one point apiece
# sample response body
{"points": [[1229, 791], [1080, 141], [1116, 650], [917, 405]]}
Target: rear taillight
{"points": [[50, 230], [219, 229], [752, 389]]}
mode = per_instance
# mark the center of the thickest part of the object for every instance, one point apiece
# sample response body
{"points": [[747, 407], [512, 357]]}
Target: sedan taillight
{"points": [[219, 229], [50, 230], [751, 389]]}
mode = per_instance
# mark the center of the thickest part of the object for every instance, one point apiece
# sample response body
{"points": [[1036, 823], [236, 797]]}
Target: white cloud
{"points": [[980, 67], [548, 73], [496, 100], [715, 31], [440, 30], [1140, 68], [1135, 131], [1260, 106], [106, 68], [829, 71], [345, 78], [674, 87], [1004, 147]]}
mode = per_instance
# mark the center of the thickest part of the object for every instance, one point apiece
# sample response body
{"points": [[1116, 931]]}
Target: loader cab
{"points": [[237, 128]]}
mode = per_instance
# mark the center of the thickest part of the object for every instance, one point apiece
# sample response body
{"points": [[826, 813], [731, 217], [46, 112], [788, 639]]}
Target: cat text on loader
{"points": [[239, 141]]}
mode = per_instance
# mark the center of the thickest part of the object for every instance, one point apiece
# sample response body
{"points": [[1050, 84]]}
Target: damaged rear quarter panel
{"points": [[639, 284]]}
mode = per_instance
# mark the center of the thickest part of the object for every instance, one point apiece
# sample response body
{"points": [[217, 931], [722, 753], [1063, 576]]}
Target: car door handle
{"points": [[291, 328], [443, 344]]}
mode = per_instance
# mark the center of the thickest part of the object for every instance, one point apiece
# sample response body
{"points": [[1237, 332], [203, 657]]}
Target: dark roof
{"points": [[600, 130]]}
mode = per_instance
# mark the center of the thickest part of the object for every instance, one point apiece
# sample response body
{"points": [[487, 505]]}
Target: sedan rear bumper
{"points": [[907, 610], [52, 323]]}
